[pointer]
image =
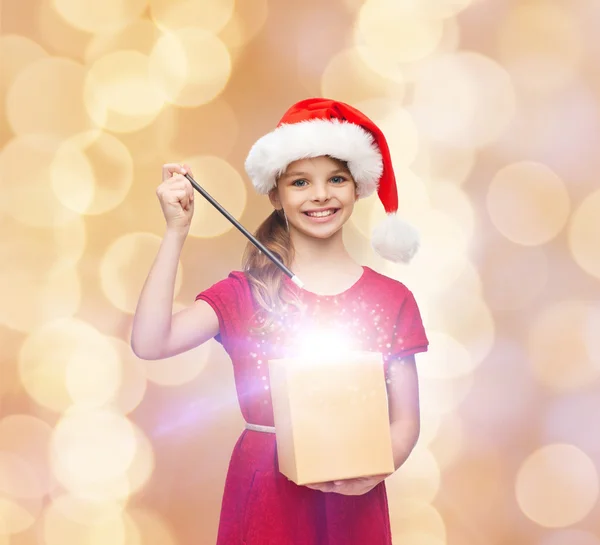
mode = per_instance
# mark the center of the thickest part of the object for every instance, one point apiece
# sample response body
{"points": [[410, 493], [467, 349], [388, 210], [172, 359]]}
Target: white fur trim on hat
{"points": [[271, 154], [395, 240]]}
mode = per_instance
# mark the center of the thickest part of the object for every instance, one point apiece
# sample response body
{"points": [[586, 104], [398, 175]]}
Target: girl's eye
{"points": [[298, 183], [338, 179]]}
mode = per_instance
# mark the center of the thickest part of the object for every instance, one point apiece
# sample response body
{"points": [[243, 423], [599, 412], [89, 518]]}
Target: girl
{"points": [[321, 158]]}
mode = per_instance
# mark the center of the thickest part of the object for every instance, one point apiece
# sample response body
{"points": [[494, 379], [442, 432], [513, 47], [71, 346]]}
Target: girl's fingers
{"points": [[169, 169]]}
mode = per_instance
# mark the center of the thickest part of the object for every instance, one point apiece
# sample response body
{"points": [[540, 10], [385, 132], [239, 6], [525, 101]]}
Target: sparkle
{"points": [[266, 387]]}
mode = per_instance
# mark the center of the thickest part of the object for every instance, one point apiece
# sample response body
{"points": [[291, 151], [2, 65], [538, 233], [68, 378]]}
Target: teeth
{"points": [[321, 214]]}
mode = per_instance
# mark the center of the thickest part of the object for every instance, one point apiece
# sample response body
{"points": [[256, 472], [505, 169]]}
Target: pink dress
{"points": [[261, 506]]}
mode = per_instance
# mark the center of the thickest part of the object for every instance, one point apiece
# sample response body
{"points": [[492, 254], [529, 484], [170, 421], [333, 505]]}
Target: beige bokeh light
{"points": [[191, 66], [348, 78], [28, 437], [50, 289], [125, 265], [584, 234], [132, 385], [152, 529], [446, 358], [180, 369], [48, 354], [416, 523], [438, 161], [443, 396], [418, 479], [92, 172], [560, 355], [91, 451], [60, 110], [528, 203], [557, 485], [27, 195], [388, 33], [104, 15], [17, 52], [120, 94], [139, 35], [448, 444], [102, 525], [226, 186], [208, 15], [463, 99], [541, 46], [21, 494], [248, 19]]}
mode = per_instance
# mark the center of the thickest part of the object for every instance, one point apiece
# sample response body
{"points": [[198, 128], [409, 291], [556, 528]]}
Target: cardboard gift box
{"points": [[331, 417]]}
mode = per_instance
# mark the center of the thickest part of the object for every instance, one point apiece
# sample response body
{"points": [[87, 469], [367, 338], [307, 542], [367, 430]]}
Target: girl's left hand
{"points": [[350, 487]]}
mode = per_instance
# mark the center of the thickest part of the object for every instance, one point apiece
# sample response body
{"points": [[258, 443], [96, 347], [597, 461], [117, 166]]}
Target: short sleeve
{"points": [[409, 333], [228, 298]]}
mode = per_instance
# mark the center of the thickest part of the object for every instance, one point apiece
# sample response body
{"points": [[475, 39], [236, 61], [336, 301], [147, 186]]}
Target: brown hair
{"points": [[266, 279]]}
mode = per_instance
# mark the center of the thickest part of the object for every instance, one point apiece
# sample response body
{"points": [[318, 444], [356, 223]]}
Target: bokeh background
{"points": [[491, 109]]}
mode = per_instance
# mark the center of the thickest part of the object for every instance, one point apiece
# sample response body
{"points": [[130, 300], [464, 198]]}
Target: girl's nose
{"points": [[320, 192]]}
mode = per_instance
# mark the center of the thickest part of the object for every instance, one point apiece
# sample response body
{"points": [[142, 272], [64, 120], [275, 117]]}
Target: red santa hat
{"points": [[318, 126]]}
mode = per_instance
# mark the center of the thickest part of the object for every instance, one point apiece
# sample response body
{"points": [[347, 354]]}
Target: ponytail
{"points": [[266, 279]]}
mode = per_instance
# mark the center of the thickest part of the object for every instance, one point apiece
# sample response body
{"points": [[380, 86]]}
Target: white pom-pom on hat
{"points": [[319, 126]]}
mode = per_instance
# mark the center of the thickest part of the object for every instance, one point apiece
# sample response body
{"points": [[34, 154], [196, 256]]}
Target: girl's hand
{"points": [[176, 196], [350, 487]]}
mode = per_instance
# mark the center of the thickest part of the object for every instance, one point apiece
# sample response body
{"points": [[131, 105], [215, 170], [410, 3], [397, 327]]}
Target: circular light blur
{"points": [[514, 275], [124, 268], [208, 15], [92, 173], [446, 358], [102, 526], [388, 33], [419, 479], [21, 500], [47, 358], [437, 161], [409, 519], [59, 110], [151, 528], [17, 52], [570, 537], [226, 186], [182, 368], [347, 78], [443, 396], [528, 203], [191, 66], [35, 287], [540, 45], [101, 15], [557, 486], [28, 438], [463, 99], [28, 197], [119, 93], [584, 234], [248, 20], [90, 448], [566, 421], [454, 202], [559, 352], [449, 442], [132, 386]]}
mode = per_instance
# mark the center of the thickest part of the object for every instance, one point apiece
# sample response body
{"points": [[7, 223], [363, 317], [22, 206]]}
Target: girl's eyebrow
{"points": [[296, 173]]}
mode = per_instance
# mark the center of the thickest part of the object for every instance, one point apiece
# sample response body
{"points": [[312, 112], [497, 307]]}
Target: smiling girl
{"points": [[322, 157]]}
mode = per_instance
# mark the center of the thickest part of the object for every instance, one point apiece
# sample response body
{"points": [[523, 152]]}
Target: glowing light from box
{"points": [[322, 343]]}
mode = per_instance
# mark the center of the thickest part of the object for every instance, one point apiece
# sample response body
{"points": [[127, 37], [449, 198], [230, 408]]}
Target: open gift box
{"points": [[331, 417]]}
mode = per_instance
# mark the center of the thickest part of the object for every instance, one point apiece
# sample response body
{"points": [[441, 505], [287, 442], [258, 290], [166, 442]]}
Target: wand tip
{"points": [[297, 281]]}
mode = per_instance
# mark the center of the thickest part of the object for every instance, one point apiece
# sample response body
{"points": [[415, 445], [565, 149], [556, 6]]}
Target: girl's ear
{"points": [[274, 198]]}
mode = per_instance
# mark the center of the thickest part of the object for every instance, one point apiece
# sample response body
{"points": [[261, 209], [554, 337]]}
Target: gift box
{"points": [[331, 417]]}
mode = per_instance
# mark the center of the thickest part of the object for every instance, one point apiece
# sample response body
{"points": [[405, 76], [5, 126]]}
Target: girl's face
{"points": [[316, 194]]}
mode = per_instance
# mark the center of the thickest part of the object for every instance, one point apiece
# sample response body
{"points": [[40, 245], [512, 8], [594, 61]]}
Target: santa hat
{"points": [[318, 126]]}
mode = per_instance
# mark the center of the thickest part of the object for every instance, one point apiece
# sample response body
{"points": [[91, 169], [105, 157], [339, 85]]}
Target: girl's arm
{"points": [[403, 396], [157, 333]]}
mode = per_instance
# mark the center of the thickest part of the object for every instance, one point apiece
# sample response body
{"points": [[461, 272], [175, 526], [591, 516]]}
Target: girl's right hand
{"points": [[176, 196]]}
